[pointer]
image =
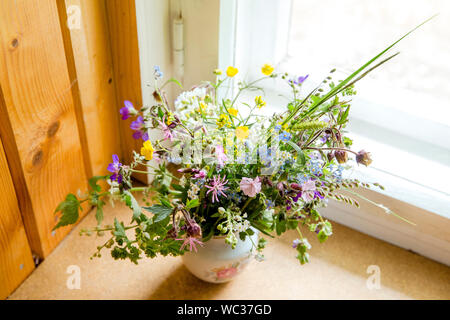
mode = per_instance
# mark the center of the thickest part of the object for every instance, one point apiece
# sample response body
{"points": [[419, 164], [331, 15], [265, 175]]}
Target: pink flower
{"points": [[168, 134], [217, 187], [226, 273], [308, 190], [220, 155], [250, 187], [192, 243], [200, 175]]}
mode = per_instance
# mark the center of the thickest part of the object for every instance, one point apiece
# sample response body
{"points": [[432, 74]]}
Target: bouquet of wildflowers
{"points": [[235, 169]]}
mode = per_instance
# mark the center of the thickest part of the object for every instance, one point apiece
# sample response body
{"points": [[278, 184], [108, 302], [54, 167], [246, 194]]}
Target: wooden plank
{"points": [[38, 123], [88, 53], [125, 53], [16, 262]]}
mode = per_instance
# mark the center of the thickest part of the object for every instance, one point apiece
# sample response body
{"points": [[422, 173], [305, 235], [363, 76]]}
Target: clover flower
{"points": [[201, 174], [115, 167], [217, 187]]}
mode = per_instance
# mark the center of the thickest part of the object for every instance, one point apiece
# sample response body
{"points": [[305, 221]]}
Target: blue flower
{"points": [[269, 204], [158, 72], [278, 127], [315, 168], [285, 136]]}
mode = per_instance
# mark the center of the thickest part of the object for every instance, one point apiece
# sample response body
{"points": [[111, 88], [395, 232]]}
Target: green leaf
{"points": [[119, 230], [93, 182], [192, 203], [165, 202], [300, 155], [132, 203], [69, 209], [174, 81], [161, 212]]}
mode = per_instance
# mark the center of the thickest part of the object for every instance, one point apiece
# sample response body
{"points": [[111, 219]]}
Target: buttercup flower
{"points": [[250, 187], [232, 71], [147, 150], [223, 120], [259, 102], [267, 69], [242, 132], [233, 111], [114, 167]]}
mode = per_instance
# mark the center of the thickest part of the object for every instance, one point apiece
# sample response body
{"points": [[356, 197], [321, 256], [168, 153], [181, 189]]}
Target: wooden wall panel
{"points": [[38, 123], [88, 49], [16, 262], [125, 53]]}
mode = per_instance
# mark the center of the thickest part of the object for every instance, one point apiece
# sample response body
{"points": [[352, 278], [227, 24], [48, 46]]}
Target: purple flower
{"points": [[127, 110], [295, 243], [217, 187], [137, 126], [114, 167], [301, 79]]}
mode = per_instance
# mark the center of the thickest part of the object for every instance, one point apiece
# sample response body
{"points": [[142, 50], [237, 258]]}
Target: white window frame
{"points": [[254, 32]]}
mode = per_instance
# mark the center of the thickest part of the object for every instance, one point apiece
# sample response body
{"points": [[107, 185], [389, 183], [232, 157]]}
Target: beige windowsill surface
{"points": [[338, 270]]}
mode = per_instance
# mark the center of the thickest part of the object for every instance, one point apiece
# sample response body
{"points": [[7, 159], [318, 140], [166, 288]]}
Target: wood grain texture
{"points": [[38, 123], [16, 262], [88, 51], [125, 53]]}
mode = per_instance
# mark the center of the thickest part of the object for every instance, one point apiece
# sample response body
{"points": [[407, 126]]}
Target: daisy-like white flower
{"points": [[217, 188]]}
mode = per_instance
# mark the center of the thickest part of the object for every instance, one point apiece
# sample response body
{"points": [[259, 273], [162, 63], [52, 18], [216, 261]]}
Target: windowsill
{"points": [[338, 270]]}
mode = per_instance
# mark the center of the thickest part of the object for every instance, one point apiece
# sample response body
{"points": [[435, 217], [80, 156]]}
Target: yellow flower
{"points": [[147, 150], [233, 111], [232, 71], [259, 102], [267, 69], [170, 118], [223, 120], [242, 132]]}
